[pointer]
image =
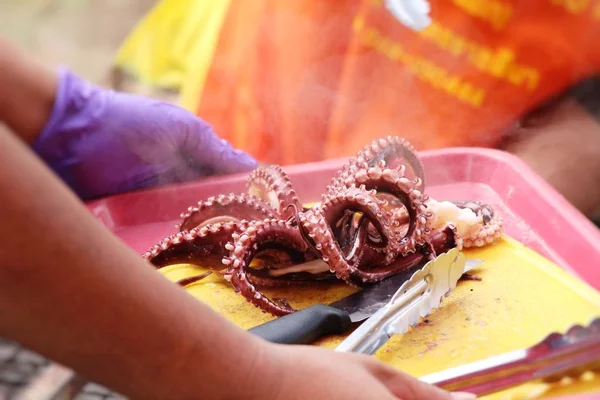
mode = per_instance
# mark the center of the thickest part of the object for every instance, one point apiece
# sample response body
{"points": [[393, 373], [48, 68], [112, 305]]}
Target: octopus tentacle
{"points": [[336, 207], [373, 221], [273, 186], [233, 207], [331, 252], [383, 153], [192, 247], [391, 150], [260, 235], [441, 241], [354, 274], [318, 221], [477, 223], [490, 228], [392, 182]]}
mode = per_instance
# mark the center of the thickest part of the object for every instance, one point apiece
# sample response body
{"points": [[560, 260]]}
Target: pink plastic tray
{"points": [[534, 213]]}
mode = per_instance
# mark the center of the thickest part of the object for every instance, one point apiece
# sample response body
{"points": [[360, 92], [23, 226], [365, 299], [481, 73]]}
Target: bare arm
{"points": [[562, 144], [73, 292], [28, 91]]}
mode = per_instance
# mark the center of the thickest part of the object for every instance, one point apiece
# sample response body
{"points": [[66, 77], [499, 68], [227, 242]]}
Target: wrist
{"points": [[239, 363], [28, 92]]}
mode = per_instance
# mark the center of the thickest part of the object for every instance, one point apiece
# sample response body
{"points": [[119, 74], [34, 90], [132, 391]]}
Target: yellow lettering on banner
{"points": [[499, 63], [519, 76], [572, 6], [496, 13], [596, 12], [426, 70], [358, 23], [588, 8]]}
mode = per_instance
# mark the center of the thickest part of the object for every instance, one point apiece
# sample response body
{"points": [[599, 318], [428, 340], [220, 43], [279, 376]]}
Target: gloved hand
{"points": [[101, 142]]}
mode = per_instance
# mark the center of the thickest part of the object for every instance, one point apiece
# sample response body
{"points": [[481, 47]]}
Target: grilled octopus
{"points": [[373, 221]]}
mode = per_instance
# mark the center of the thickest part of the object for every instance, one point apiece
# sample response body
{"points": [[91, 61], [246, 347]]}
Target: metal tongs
{"points": [[558, 355], [416, 298]]}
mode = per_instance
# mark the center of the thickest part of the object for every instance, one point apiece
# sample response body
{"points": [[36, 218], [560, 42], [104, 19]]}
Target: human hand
{"points": [[308, 373], [102, 142]]}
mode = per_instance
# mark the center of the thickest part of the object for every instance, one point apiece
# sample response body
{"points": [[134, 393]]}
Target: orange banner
{"points": [[298, 80]]}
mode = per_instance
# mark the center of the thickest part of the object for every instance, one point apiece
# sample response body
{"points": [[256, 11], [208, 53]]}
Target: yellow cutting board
{"points": [[521, 298]]}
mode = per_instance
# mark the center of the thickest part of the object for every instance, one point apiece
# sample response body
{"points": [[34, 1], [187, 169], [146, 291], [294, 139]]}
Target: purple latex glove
{"points": [[102, 142]]}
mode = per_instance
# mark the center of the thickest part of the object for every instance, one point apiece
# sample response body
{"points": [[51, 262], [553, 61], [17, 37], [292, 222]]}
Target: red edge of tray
{"points": [[561, 233]]}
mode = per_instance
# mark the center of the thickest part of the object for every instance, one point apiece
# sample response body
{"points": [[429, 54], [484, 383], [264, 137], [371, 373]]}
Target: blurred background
{"points": [[83, 34], [326, 100]]}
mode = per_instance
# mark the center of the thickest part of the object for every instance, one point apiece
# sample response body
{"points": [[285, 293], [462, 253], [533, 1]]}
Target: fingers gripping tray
{"points": [[539, 278]]}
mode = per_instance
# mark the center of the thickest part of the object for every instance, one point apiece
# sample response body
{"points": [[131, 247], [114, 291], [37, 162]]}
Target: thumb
{"points": [[234, 160], [213, 153], [407, 387]]}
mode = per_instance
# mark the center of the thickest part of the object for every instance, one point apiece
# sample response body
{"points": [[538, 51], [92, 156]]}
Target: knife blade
{"points": [[314, 322], [416, 298]]}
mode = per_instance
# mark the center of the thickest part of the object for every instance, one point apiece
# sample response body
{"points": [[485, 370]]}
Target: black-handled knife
{"points": [[312, 323], [305, 326]]}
